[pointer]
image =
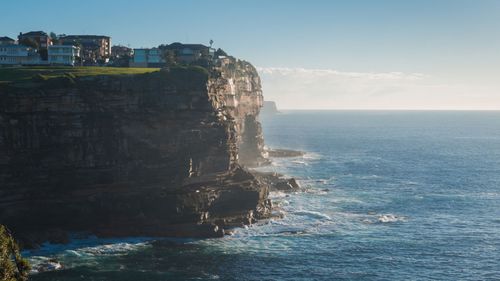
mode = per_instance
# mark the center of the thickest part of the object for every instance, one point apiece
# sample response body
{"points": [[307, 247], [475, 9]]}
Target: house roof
{"points": [[5, 38], [85, 37], [34, 33], [178, 46]]}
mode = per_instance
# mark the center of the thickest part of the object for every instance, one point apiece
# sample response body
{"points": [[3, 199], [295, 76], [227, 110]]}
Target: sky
{"points": [[311, 54]]}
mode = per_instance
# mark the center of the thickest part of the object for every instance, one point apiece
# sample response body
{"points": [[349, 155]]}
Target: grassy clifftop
{"points": [[20, 74]]}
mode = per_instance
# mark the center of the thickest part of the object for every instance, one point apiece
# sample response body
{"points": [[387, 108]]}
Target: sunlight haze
{"points": [[316, 54]]}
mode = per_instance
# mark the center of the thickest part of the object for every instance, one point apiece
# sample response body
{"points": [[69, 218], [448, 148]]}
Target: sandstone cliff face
{"points": [[239, 87], [149, 154]]}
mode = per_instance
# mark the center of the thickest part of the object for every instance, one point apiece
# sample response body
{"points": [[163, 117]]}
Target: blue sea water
{"points": [[389, 195]]}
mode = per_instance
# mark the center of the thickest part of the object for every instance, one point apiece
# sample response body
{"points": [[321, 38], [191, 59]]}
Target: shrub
{"points": [[12, 266]]}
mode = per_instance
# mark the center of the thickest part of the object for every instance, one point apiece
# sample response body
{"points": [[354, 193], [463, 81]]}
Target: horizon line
{"points": [[386, 109]]}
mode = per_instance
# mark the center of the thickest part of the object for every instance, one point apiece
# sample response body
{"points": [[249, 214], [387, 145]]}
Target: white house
{"points": [[147, 58], [63, 54], [13, 54]]}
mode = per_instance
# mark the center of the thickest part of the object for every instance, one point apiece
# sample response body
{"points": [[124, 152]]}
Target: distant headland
{"points": [[269, 108]]}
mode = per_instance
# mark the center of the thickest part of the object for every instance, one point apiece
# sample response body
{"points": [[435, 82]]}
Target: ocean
{"points": [[389, 195]]}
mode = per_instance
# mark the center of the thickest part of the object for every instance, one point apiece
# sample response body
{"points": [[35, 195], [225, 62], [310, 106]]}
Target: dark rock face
{"points": [[278, 182], [150, 154], [287, 185]]}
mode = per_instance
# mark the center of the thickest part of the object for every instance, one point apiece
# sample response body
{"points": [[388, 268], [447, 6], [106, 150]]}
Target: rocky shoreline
{"points": [[278, 182], [275, 182]]}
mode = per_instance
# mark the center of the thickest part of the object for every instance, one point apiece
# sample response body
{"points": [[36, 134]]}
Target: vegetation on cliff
{"points": [[21, 74], [12, 266]]}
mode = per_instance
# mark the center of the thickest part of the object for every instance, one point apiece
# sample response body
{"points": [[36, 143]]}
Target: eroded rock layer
{"points": [[149, 154]]}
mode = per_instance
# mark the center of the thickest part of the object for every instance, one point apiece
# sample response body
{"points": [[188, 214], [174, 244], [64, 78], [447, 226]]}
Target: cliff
{"points": [[238, 88], [154, 154]]}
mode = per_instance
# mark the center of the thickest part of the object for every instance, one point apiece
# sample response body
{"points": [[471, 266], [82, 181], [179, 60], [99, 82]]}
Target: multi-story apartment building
{"points": [[93, 48], [147, 58], [41, 38], [14, 54], [63, 54]]}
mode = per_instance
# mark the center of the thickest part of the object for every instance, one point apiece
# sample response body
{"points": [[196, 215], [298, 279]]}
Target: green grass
{"points": [[19, 74]]}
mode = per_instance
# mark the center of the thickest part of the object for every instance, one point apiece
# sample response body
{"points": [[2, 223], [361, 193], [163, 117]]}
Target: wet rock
{"points": [[49, 265], [277, 182], [287, 185], [283, 153]]}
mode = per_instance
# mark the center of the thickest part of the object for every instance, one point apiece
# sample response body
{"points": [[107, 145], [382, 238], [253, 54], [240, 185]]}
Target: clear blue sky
{"points": [[449, 42]]}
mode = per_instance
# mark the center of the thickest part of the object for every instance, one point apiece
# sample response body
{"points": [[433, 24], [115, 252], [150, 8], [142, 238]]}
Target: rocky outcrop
{"points": [[269, 108], [150, 154], [238, 85], [284, 153], [278, 182]]}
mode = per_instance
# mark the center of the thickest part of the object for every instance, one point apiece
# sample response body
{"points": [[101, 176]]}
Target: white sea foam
{"points": [[344, 199], [43, 264], [316, 191], [312, 214], [311, 156], [368, 177], [410, 183], [113, 249], [281, 203], [388, 218], [277, 194], [488, 195], [48, 256]]}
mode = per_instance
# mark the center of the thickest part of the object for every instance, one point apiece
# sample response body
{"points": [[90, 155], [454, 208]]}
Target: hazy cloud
{"points": [[303, 88], [283, 71]]}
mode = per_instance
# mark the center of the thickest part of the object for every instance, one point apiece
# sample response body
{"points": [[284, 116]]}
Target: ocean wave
{"points": [[312, 214], [311, 156], [43, 264], [388, 218], [118, 248], [316, 191], [488, 195], [48, 257], [368, 177], [280, 203], [410, 183], [273, 195]]}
